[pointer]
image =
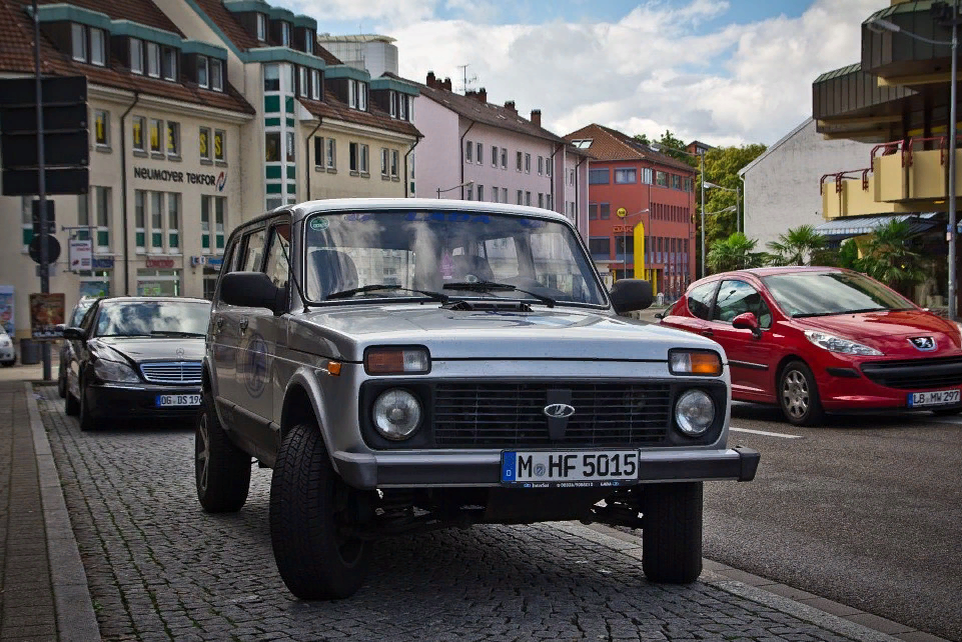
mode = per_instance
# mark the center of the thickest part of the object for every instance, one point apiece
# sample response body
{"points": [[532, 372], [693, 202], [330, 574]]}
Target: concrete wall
{"points": [[781, 190]]}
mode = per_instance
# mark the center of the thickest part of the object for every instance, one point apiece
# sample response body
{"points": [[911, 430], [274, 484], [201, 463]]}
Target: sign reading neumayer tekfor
{"points": [[173, 176]]}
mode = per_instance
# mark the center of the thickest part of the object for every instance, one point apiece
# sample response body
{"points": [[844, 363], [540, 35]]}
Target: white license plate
{"points": [[540, 469], [164, 401], [933, 398]]}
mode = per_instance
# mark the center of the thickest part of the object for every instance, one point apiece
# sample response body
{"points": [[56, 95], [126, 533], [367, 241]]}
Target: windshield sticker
{"points": [[447, 266], [320, 223]]}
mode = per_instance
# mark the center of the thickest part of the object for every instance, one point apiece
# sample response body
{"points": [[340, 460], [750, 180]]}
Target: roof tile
{"points": [[612, 145], [331, 107]]}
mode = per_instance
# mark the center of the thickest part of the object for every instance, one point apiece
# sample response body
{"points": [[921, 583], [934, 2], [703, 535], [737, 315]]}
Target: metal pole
{"points": [[41, 183], [738, 202], [702, 155], [953, 284]]}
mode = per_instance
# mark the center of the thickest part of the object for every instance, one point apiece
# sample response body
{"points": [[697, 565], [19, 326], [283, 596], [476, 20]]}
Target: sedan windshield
{"points": [[153, 318], [812, 294], [438, 254]]}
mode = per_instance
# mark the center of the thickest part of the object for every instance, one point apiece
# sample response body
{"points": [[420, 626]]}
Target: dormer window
{"points": [[203, 72], [78, 36], [357, 94], [98, 54], [285, 34], [402, 111], [392, 100], [261, 27], [88, 44], [170, 63], [309, 41], [153, 60], [315, 84], [302, 88], [136, 56], [216, 74]]}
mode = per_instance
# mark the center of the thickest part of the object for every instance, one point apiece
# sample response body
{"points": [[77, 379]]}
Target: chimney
{"points": [[446, 85], [432, 81], [536, 117], [510, 106], [482, 95]]}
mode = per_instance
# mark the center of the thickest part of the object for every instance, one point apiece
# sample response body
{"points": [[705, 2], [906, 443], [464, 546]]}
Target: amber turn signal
{"points": [[694, 362], [390, 360]]}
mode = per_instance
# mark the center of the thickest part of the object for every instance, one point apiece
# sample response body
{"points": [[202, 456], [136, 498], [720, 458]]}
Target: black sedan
{"points": [[137, 358]]}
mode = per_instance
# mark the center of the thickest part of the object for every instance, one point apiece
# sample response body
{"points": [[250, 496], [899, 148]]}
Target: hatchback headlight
{"points": [[115, 371], [837, 344], [397, 414], [694, 412]]}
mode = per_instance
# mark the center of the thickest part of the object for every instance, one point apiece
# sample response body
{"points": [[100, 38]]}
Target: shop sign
{"points": [[103, 264], [215, 261], [174, 176], [80, 253], [46, 313], [164, 264]]}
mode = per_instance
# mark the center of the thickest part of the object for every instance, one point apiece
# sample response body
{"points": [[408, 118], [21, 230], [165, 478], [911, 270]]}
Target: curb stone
{"points": [[76, 619]]}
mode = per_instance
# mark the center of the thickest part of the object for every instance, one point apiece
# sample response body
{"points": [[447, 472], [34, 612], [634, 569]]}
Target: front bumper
{"points": [[855, 392], [138, 401], [483, 468]]}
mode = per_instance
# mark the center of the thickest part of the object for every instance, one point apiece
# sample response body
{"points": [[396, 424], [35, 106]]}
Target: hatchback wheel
{"points": [[798, 395]]}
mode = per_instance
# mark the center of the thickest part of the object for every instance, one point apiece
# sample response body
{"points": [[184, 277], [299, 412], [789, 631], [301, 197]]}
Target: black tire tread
{"points": [[672, 532], [229, 467]]}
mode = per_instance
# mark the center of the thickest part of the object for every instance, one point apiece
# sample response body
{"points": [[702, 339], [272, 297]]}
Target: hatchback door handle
{"points": [[243, 324], [708, 333], [219, 323]]}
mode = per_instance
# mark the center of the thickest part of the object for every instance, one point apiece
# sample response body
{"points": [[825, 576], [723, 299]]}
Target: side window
{"points": [[253, 253], [699, 300], [277, 257], [87, 320], [738, 297]]}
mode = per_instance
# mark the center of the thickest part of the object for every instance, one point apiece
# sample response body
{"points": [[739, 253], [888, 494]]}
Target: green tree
{"points": [[848, 255], [798, 246], [890, 259], [643, 139], [722, 165], [737, 252]]}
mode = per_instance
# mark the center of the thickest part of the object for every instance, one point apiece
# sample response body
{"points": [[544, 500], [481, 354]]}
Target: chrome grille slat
{"points": [[188, 372]]}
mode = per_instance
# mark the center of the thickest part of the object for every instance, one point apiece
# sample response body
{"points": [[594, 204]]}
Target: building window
{"points": [[357, 94], [153, 59], [212, 232], [331, 153], [173, 139], [204, 143], [480, 153], [102, 127], [216, 74], [469, 193], [170, 63], [291, 142], [139, 124], [302, 89], [359, 158], [285, 34], [403, 107], [540, 165], [646, 175], [136, 56], [504, 158], [261, 27], [362, 96], [309, 41], [494, 156], [97, 47], [600, 247], [173, 223], [626, 176], [272, 147], [385, 161], [548, 202], [392, 99], [395, 163], [318, 152], [155, 140], [598, 176], [527, 198], [494, 194], [102, 232], [156, 232], [469, 152], [315, 84], [83, 216], [661, 179], [480, 192], [272, 78], [527, 163], [604, 211], [540, 199], [78, 37], [520, 161], [520, 197], [220, 145], [676, 181], [140, 223], [547, 167], [592, 211], [364, 159], [203, 71]]}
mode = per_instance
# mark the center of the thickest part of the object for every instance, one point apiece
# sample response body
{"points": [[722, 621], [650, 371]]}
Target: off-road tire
{"points": [[672, 532], [222, 471], [798, 395], [306, 510]]}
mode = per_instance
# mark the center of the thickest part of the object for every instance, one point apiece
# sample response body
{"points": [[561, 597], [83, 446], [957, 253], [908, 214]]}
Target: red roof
{"points": [[611, 145]]}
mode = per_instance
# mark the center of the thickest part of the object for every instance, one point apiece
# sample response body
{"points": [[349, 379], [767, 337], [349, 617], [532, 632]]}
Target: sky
{"points": [[725, 72]]}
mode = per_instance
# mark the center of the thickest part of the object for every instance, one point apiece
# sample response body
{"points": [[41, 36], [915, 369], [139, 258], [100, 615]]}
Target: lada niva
{"points": [[405, 365]]}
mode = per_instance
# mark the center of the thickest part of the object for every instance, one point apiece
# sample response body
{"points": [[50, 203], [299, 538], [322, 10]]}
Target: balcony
{"points": [[852, 193]]}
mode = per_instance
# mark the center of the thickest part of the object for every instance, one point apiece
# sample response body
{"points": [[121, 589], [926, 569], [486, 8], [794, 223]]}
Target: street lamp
{"points": [[624, 243], [880, 25], [471, 182], [738, 200], [701, 155]]}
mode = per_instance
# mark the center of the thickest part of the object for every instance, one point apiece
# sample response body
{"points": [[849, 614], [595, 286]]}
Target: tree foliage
{"points": [[889, 258], [737, 252], [722, 165], [798, 246]]}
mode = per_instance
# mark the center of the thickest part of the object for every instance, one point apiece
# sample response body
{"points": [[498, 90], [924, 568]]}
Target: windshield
{"points": [[427, 251], [79, 312], [809, 294], [153, 318]]}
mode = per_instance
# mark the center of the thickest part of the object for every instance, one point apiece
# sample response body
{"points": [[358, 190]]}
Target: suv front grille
{"points": [[508, 415], [188, 372], [915, 374]]}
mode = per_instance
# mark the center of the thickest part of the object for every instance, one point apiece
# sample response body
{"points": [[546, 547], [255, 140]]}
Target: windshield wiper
{"points": [[491, 286], [830, 314], [344, 294], [175, 333]]}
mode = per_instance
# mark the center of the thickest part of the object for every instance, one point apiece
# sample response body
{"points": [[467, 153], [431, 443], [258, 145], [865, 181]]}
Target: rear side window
{"points": [[738, 297], [699, 300]]}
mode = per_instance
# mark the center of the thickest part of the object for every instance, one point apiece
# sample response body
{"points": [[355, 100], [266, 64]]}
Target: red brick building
{"points": [[637, 195]]}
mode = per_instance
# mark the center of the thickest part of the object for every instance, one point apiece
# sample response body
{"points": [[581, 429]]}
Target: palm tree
{"points": [[735, 253], [888, 258], [797, 245]]}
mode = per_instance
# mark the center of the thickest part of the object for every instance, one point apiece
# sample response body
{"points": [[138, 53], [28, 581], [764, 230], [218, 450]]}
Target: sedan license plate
{"points": [[165, 401], [933, 398], [569, 469]]}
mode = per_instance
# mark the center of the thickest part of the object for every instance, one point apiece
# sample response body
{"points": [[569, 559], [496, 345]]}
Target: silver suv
{"points": [[405, 365]]}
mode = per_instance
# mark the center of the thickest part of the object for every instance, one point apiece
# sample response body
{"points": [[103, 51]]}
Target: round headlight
{"points": [[694, 412], [397, 414]]}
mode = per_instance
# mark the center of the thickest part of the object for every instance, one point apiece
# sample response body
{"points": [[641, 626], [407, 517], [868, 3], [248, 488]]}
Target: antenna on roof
{"points": [[465, 81]]}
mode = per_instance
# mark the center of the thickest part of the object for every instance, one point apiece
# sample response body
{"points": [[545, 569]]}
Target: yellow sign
{"points": [[621, 212]]}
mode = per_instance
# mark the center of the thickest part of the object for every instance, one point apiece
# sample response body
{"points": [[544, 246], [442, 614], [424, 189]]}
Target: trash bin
{"points": [[29, 352]]}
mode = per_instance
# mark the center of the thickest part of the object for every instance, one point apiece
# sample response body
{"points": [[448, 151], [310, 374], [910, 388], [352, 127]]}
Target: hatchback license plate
{"points": [[573, 469], [164, 401], [933, 398]]}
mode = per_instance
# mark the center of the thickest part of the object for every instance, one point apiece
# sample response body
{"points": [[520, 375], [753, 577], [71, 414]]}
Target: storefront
{"points": [[159, 278], [96, 282], [211, 271]]}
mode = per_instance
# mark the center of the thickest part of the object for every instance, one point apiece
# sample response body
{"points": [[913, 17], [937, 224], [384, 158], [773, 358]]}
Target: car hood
{"points": [[137, 349], [543, 333], [888, 331]]}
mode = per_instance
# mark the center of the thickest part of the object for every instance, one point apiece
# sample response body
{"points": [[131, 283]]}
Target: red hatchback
{"points": [[815, 339]]}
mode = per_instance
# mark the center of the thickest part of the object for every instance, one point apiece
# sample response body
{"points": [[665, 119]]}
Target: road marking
{"points": [[766, 433]]}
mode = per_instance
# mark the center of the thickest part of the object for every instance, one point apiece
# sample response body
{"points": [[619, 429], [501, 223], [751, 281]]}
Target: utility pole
{"points": [[42, 185]]}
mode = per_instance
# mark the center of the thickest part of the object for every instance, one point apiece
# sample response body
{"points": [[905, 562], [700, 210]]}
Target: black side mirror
{"points": [[747, 321], [628, 295], [74, 334], [252, 290]]}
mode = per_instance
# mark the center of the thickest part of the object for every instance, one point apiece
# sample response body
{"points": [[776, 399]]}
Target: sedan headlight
{"points": [[694, 412], [115, 371], [397, 414], [837, 344]]}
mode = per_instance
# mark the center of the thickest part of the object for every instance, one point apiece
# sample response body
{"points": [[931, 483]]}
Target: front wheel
{"points": [[86, 418], [222, 471], [313, 514], [672, 532], [798, 395]]}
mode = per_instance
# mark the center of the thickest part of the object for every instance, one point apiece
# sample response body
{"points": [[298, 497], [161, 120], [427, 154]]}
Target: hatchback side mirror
{"points": [[747, 321], [74, 334], [252, 290], [628, 295]]}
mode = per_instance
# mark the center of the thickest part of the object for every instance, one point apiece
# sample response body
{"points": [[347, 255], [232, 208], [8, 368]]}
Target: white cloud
{"points": [[390, 11]]}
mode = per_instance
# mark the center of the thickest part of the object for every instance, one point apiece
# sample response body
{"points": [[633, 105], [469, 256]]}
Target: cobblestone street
{"points": [[159, 568]]}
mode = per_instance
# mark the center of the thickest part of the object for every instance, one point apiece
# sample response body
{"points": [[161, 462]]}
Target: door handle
{"points": [[219, 324], [243, 324], [708, 333]]}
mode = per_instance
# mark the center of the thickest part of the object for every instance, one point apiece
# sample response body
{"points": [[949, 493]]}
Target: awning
{"points": [[849, 226]]}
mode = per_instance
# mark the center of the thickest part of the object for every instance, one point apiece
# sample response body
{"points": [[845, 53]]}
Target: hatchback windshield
{"points": [[812, 294], [153, 318], [440, 251]]}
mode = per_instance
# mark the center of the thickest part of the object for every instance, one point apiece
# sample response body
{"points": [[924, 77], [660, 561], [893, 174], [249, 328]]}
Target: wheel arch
{"points": [[303, 402], [784, 361]]}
